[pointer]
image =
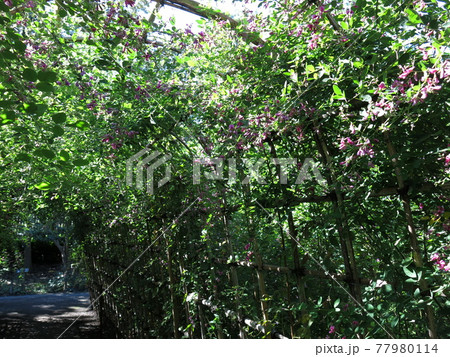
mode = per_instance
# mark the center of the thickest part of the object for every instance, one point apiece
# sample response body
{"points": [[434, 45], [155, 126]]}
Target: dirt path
{"points": [[47, 316]]}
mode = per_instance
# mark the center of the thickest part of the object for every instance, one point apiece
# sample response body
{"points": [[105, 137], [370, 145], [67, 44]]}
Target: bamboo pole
{"points": [[212, 277], [259, 262], [341, 220], [413, 241], [297, 266], [286, 280], [172, 284], [234, 275], [185, 291]]}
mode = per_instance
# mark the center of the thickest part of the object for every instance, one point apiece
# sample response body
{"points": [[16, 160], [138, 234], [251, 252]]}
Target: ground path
{"points": [[47, 316]]}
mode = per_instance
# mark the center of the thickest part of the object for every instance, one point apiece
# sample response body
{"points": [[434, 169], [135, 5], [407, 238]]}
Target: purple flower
{"points": [[355, 323], [332, 330], [116, 146], [92, 104], [129, 2]]}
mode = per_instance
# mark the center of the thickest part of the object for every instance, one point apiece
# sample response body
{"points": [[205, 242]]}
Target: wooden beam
{"points": [[284, 270]]}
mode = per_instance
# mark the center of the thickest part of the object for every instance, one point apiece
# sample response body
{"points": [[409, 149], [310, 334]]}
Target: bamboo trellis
{"points": [[123, 309]]}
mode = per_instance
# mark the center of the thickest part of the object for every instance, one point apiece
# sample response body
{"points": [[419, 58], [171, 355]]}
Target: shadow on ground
{"points": [[48, 316]]}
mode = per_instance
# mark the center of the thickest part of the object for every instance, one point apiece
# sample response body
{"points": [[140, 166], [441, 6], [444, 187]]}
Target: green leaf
{"points": [[413, 17], [191, 63], [8, 55], [417, 293], [44, 153], [47, 76], [41, 108], [57, 130], [64, 155], [45, 87], [336, 303], [409, 273], [23, 157], [80, 162], [30, 108], [19, 46], [29, 75], [336, 90], [83, 125], [338, 93], [59, 118], [44, 186]]}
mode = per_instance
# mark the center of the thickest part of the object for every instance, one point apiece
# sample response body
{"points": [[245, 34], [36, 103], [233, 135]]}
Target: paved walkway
{"points": [[47, 316]]}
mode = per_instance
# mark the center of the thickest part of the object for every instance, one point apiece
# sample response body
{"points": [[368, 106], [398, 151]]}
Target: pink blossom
{"points": [[406, 72], [332, 329], [107, 138], [447, 160], [434, 257], [129, 2], [421, 205], [249, 256], [441, 264], [440, 211]]}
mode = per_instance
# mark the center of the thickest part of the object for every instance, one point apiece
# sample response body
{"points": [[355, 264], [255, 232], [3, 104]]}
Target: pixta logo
{"points": [[144, 159], [214, 170]]}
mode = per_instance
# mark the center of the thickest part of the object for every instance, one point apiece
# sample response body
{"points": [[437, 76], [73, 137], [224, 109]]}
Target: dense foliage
{"points": [[359, 89]]}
